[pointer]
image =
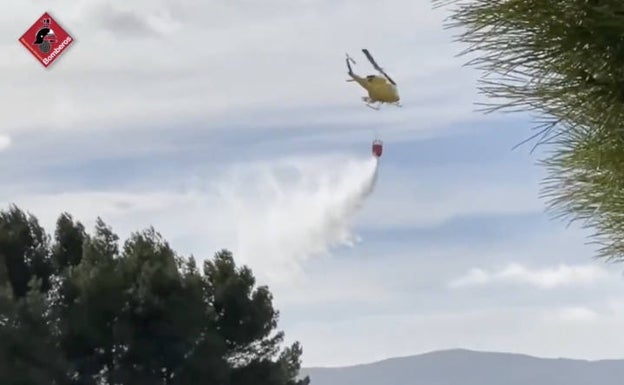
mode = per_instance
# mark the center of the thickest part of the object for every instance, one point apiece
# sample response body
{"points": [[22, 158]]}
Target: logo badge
{"points": [[46, 40]]}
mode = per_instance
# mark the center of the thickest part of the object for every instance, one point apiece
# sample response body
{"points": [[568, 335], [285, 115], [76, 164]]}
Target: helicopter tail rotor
{"points": [[350, 60]]}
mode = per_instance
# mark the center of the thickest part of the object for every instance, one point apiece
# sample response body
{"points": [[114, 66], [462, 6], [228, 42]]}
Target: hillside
{"points": [[465, 367]]}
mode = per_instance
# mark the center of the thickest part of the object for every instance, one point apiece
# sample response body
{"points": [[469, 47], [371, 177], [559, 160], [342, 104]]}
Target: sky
{"points": [[229, 124]]}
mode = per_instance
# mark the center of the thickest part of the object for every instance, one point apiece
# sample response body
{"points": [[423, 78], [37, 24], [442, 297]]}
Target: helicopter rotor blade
{"points": [[376, 66], [370, 59]]}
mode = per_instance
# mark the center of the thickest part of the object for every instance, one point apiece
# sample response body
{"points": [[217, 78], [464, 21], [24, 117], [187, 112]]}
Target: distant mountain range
{"points": [[466, 367]]}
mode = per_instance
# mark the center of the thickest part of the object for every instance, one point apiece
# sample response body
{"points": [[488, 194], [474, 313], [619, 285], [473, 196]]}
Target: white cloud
{"points": [[578, 313], [545, 278], [156, 61], [5, 142]]}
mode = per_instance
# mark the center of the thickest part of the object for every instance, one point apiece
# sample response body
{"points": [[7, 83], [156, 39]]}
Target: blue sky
{"points": [[160, 107]]}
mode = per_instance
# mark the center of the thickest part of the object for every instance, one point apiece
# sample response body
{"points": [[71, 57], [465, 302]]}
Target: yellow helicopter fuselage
{"points": [[379, 89]]}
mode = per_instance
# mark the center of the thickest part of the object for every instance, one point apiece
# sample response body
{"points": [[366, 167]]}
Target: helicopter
{"points": [[381, 89]]}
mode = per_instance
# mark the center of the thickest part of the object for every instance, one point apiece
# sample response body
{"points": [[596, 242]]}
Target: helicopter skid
{"points": [[370, 103]]}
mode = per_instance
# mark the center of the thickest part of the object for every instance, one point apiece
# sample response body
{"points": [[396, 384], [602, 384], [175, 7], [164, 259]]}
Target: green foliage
{"points": [[564, 61], [24, 251], [84, 311]]}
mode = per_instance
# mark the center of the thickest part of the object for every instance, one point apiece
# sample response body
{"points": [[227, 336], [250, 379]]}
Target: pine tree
{"points": [[562, 60], [139, 314]]}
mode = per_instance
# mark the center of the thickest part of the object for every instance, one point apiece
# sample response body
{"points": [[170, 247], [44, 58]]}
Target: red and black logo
{"points": [[46, 40]]}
